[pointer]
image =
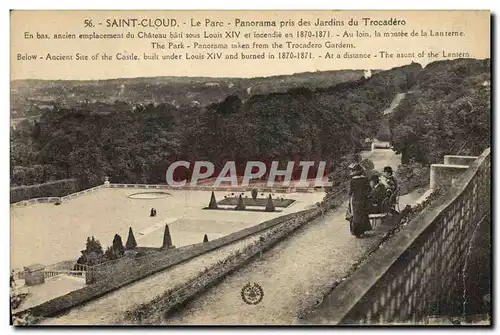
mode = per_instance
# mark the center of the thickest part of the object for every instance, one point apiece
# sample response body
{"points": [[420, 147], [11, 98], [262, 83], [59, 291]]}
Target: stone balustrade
{"points": [[50, 200], [418, 272], [290, 189], [107, 184]]}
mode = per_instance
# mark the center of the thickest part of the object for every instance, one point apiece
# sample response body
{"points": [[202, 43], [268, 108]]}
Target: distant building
{"points": [[368, 73]]}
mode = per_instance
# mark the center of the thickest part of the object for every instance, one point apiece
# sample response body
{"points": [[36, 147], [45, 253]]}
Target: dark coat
{"points": [[377, 197], [359, 205]]}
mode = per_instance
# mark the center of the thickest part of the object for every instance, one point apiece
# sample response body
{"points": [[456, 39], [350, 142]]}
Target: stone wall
{"points": [[459, 160], [419, 271], [34, 201], [84, 192]]}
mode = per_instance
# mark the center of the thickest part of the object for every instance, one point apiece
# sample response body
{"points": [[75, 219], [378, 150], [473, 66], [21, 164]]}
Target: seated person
{"points": [[377, 196], [388, 180], [391, 184]]}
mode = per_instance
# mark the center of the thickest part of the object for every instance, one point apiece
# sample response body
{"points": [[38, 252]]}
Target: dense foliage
{"points": [[92, 254], [411, 177], [447, 112], [136, 143]]}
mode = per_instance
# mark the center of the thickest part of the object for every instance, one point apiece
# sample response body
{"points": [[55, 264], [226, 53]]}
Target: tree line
{"points": [[447, 112], [136, 143]]}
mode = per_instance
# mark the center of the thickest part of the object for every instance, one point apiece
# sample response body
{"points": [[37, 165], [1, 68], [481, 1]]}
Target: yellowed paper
{"points": [[250, 167], [243, 44]]}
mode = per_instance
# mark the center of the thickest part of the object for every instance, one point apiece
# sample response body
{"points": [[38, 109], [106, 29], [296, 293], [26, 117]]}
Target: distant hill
{"points": [[32, 97], [294, 119], [446, 111]]}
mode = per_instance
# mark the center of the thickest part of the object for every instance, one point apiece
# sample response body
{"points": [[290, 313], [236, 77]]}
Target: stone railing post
{"points": [[459, 160], [106, 181], [444, 175]]}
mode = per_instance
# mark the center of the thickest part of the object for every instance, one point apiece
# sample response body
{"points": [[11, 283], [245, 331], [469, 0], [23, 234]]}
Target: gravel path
{"points": [[109, 309], [295, 275]]}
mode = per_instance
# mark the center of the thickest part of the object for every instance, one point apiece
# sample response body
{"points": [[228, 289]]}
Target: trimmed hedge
{"points": [[56, 188]]}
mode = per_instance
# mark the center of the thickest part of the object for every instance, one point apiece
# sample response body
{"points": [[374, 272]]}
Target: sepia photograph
{"points": [[336, 172]]}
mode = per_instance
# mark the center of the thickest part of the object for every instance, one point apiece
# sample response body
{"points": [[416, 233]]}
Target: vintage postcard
{"points": [[250, 168]]}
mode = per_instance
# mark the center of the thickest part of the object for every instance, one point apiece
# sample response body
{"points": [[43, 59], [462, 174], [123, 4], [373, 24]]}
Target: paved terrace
{"points": [[47, 234], [52, 288]]}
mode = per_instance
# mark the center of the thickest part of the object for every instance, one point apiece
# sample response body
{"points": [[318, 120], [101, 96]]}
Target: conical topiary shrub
{"points": [[167, 239], [241, 205], [205, 238], [213, 202], [118, 248], [270, 205], [131, 243]]}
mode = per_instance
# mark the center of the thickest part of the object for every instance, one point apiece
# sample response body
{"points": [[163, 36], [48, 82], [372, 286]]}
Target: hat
{"points": [[388, 169], [355, 169]]}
